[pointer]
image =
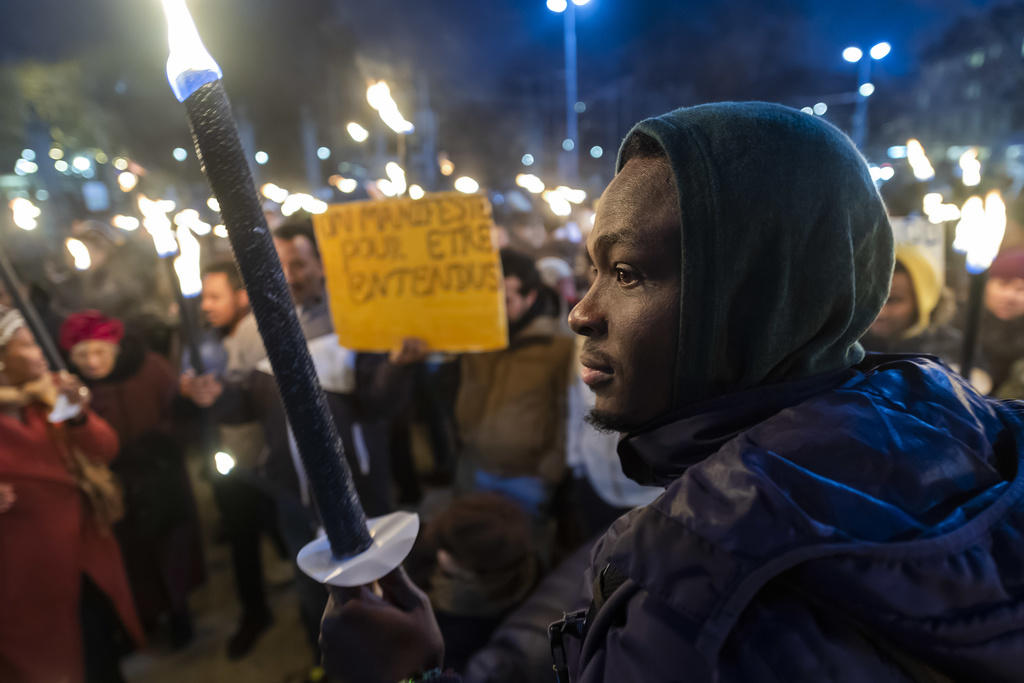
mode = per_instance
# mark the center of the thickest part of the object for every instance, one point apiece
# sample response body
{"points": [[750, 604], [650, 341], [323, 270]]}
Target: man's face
{"points": [[516, 303], [900, 310], [1005, 298], [222, 305], [630, 315], [95, 358], [302, 269], [23, 360]]}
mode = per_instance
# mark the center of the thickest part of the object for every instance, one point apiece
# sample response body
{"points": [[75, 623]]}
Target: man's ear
{"points": [[531, 298], [242, 298]]}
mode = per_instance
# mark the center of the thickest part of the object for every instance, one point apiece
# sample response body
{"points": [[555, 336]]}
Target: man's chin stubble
{"points": [[609, 423]]}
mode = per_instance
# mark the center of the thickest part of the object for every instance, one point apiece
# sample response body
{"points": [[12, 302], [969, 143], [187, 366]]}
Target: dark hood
{"points": [[787, 252]]}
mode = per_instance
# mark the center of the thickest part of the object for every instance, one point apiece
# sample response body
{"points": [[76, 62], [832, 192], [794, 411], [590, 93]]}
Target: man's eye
{"points": [[625, 276]]}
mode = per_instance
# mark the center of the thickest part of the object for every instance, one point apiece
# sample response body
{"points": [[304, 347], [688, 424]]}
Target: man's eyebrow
{"points": [[608, 240]]}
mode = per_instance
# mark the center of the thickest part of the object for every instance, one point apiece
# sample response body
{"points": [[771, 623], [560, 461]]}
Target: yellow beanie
{"points": [[926, 284]]}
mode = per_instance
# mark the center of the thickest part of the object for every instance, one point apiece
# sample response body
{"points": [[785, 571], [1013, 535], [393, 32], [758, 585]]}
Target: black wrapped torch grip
{"points": [[220, 152]]}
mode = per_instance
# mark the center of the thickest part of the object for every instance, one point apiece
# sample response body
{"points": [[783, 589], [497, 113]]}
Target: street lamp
{"points": [[865, 88], [571, 156]]}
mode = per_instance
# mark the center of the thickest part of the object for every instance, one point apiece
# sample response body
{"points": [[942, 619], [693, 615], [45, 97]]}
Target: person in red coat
{"points": [[134, 390], [61, 573]]}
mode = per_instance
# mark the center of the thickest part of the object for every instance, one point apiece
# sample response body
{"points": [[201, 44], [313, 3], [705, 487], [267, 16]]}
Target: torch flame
{"points": [[186, 265], [79, 252], [158, 225], [189, 65], [979, 234]]}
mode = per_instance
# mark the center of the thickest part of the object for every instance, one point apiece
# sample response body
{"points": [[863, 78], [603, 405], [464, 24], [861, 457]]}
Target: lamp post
{"points": [[570, 166], [865, 88]]}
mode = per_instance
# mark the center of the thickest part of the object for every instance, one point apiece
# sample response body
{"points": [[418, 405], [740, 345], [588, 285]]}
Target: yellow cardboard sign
{"points": [[424, 268]]}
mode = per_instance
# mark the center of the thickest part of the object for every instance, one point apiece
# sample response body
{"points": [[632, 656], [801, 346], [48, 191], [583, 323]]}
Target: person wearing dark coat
{"points": [[1001, 331], [827, 515], [134, 390]]}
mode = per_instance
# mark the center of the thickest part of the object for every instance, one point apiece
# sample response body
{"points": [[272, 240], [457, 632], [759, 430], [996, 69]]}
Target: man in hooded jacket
{"points": [[827, 516]]}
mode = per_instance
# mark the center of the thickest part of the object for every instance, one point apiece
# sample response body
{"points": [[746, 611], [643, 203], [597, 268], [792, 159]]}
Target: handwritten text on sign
{"points": [[423, 268]]}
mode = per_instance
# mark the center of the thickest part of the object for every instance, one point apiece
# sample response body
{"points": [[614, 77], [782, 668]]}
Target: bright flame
{"points": [[572, 195], [416, 192], [79, 252], [127, 223], [304, 202], [158, 225], [919, 161], [971, 167], [346, 185], [937, 211], [24, 213], [358, 133], [396, 174], [127, 181], [220, 231], [223, 462], [274, 193], [186, 265], [189, 218], [379, 97], [213, 204], [189, 65], [386, 187], [980, 231], [560, 206], [530, 183], [467, 185]]}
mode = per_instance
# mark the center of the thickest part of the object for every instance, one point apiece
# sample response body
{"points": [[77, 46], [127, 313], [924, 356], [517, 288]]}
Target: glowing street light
{"points": [[323, 153], [416, 192], [81, 163], [853, 54], [527, 160], [880, 50], [261, 157], [213, 204], [357, 132], [179, 153], [223, 462], [865, 88]]}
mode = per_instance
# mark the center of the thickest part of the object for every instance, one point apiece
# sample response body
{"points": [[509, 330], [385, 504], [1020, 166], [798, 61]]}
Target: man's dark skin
{"points": [[630, 317]]}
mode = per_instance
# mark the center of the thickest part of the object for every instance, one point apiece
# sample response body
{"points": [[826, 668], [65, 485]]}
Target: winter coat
{"points": [[48, 540], [512, 404], [160, 534], [860, 526]]}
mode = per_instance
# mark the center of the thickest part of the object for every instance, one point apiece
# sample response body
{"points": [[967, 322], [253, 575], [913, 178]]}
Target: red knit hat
{"points": [[89, 325], [1009, 265]]}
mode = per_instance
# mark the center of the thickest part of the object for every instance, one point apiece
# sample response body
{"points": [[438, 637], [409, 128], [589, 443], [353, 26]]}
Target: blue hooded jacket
{"points": [[827, 516]]}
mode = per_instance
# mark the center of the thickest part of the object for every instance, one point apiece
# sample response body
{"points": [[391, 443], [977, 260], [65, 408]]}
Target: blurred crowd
{"points": [[98, 462]]}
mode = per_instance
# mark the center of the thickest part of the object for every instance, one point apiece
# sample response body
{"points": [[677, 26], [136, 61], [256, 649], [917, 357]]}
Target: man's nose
{"points": [[586, 318]]}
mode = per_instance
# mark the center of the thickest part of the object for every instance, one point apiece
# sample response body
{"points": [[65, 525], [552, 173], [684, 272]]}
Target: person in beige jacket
{"points": [[512, 407]]}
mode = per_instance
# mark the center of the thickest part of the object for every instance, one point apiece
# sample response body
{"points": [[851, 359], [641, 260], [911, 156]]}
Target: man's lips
{"points": [[595, 372]]}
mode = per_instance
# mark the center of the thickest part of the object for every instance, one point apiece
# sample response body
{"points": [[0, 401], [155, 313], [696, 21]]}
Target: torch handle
{"points": [[31, 315], [975, 302], [223, 159]]}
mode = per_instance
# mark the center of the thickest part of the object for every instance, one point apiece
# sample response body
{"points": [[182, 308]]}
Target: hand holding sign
{"points": [[426, 269]]}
